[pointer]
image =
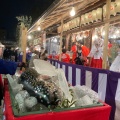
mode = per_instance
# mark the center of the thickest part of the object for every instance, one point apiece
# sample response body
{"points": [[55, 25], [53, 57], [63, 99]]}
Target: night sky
{"points": [[9, 9]]}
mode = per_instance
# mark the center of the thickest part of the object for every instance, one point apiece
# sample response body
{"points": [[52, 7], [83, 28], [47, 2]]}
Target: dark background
{"points": [[9, 9]]}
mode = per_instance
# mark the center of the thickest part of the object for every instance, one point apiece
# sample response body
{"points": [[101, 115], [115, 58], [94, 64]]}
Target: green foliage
{"points": [[65, 103]]}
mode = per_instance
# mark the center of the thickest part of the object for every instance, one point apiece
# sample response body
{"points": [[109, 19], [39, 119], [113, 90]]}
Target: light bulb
{"points": [[95, 37], [117, 31], [103, 33], [114, 36], [39, 28], [72, 12], [29, 37]]}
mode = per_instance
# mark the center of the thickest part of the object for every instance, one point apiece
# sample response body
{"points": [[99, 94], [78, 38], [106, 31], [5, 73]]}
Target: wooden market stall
{"points": [[88, 15]]}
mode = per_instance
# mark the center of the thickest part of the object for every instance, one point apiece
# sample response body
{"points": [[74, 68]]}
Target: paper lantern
{"points": [[104, 11], [59, 29], [67, 25], [64, 27], [82, 19], [113, 9], [99, 13], [77, 21], [117, 6], [90, 17], [94, 15], [86, 33], [74, 23], [86, 18], [70, 24]]}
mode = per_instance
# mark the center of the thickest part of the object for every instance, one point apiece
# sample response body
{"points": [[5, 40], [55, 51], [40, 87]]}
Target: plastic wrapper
{"points": [[44, 67], [80, 91], [92, 94], [20, 102], [17, 88], [83, 101], [24, 94], [30, 102], [63, 84]]}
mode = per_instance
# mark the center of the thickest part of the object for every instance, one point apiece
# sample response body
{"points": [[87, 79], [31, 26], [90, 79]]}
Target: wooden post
{"points": [[105, 49], [61, 35], [24, 43]]}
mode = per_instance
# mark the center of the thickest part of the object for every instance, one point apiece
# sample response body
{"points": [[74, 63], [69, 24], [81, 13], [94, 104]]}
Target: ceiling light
{"points": [[38, 28], [29, 37], [72, 12]]}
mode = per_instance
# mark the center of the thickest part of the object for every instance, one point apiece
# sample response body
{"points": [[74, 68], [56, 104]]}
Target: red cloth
{"points": [[95, 113], [65, 57], [50, 56], [85, 51], [74, 50], [1, 83], [96, 63], [109, 45]]}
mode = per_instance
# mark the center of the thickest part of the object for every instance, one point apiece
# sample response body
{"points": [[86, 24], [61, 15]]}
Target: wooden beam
{"points": [[24, 42], [71, 3], [61, 35], [67, 14], [105, 49]]}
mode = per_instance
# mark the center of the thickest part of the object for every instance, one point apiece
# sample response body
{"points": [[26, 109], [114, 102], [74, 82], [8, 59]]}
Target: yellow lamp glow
{"points": [[72, 12]]}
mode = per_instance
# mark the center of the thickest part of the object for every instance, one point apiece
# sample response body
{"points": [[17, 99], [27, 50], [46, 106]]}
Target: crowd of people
{"points": [[81, 55], [10, 54]]}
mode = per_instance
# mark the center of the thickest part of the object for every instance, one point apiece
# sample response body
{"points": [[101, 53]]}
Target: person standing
{"points": [[96, 54], [74, 51], [78, 59], [64, 56], [85, 53], [115, 66]]}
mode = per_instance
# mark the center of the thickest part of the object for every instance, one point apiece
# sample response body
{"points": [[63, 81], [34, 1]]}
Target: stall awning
{"points": [[60, 10]]}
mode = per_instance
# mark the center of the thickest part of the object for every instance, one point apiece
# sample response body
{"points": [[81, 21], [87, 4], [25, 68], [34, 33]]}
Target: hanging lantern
{"points": [[82, 20], [112, 9], [78, 21], [99, 13], [86, 18], [90, 17], [67, 25], [86, 33], [104, 11], [59, 29], [94, 15], [117, 6], [64, 27], [72, 24]]}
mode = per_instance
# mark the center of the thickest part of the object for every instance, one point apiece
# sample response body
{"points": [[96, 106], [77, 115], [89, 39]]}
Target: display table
{"points": [[95, 113]]}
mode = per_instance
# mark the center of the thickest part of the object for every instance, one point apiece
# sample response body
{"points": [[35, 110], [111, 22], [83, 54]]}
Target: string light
{"points": [[72, 12]]}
